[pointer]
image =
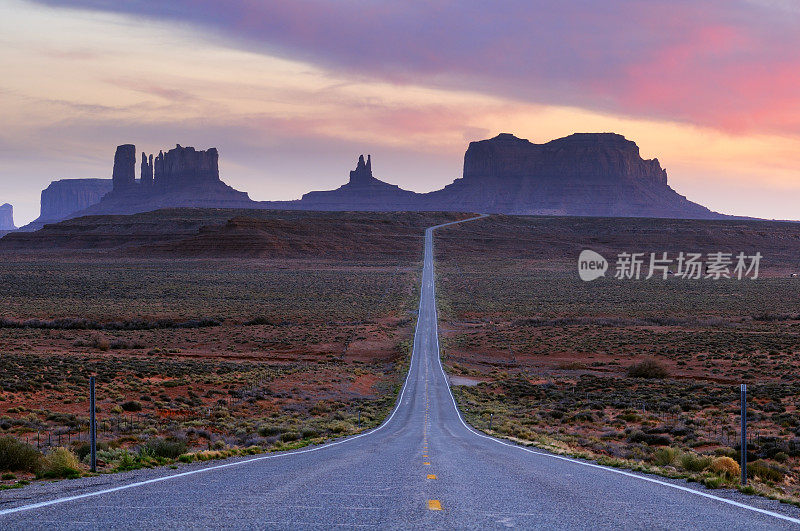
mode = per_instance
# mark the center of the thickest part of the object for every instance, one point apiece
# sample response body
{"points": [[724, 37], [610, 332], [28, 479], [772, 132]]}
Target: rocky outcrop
{"points": [[181, 177], [585, 174], [363, 192], [7, 217]]}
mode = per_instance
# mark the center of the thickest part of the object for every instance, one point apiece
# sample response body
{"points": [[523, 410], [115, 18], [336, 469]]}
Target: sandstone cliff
{"points": [[7, 217]]}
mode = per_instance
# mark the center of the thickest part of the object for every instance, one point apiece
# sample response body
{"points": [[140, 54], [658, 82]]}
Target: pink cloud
{"points": [[729, 64]]}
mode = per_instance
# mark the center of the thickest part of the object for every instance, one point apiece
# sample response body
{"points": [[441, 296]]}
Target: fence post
{"points": [[743, 452], [92, 426]]}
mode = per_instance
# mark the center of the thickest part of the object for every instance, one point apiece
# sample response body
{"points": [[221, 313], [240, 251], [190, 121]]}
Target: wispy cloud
{"points": [[292, 92], [729, 64]]}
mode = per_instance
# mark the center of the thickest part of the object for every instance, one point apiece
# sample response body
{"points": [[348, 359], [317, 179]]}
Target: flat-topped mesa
{"points": [[68, 196], [184, 167], [583, 174], [363, 172], [124, 173], [580, 157]]}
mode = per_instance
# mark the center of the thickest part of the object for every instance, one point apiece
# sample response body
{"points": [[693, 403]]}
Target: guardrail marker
{"points": [[92, 425], [743, 447]]}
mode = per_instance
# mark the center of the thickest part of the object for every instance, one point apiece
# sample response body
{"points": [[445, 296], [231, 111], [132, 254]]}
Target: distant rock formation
{"points": [[7, 217], [584, 174], [185, 167], [181, 177], [362, 175], [147, 171], [65, 197], [363, 192], [124, 175]]}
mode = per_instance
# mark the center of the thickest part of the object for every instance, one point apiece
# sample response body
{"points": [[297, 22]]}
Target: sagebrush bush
{"points": [[99, 342], [18, 456], [290, 436], [665, 456], [765, 471], [126, 461], [131, 406], [648, 368], [61, 463], [167, 448], [692, 462], [267, 430], [726, 466]]}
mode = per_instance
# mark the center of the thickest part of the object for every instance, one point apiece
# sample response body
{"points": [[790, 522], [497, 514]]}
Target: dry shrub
{"points": [[572, 366], [765, 471], [648, 368], [18, 456], [61, 463], [131, 406], [725, 466], [665, 456], [97, 341], [695, 463], [168, 448]]}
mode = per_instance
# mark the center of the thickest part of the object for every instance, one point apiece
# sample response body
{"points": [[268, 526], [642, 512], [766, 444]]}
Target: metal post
{"points": [[491, 416], [744, 434], [359, 419], [92, 426]]}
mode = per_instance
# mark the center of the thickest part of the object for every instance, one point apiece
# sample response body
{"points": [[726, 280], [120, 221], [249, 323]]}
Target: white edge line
{"points": [[576, 461], [57, 501]]}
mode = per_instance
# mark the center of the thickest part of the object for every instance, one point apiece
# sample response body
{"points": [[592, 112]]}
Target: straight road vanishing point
{"points": [[422, 468]]}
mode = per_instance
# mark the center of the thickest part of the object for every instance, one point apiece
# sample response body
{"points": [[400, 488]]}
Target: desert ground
{"points": [[209, 332], [643, 374], [220, 332]]}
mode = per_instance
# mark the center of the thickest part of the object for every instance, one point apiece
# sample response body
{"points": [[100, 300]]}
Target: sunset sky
{"points": [[291, 92]]}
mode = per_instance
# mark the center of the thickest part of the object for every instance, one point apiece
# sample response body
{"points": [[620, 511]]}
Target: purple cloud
{"points": [[729, 64]]}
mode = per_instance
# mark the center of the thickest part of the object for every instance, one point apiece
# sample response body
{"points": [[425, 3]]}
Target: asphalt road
{"points": [[422, 468]]}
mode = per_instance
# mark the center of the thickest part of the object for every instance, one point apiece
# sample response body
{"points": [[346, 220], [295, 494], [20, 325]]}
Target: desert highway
{"points": [[423, 468]]}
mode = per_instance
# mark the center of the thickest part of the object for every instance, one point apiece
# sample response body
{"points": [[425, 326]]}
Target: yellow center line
{"points": [[431, 476], [426, 463], [434, 505]]}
